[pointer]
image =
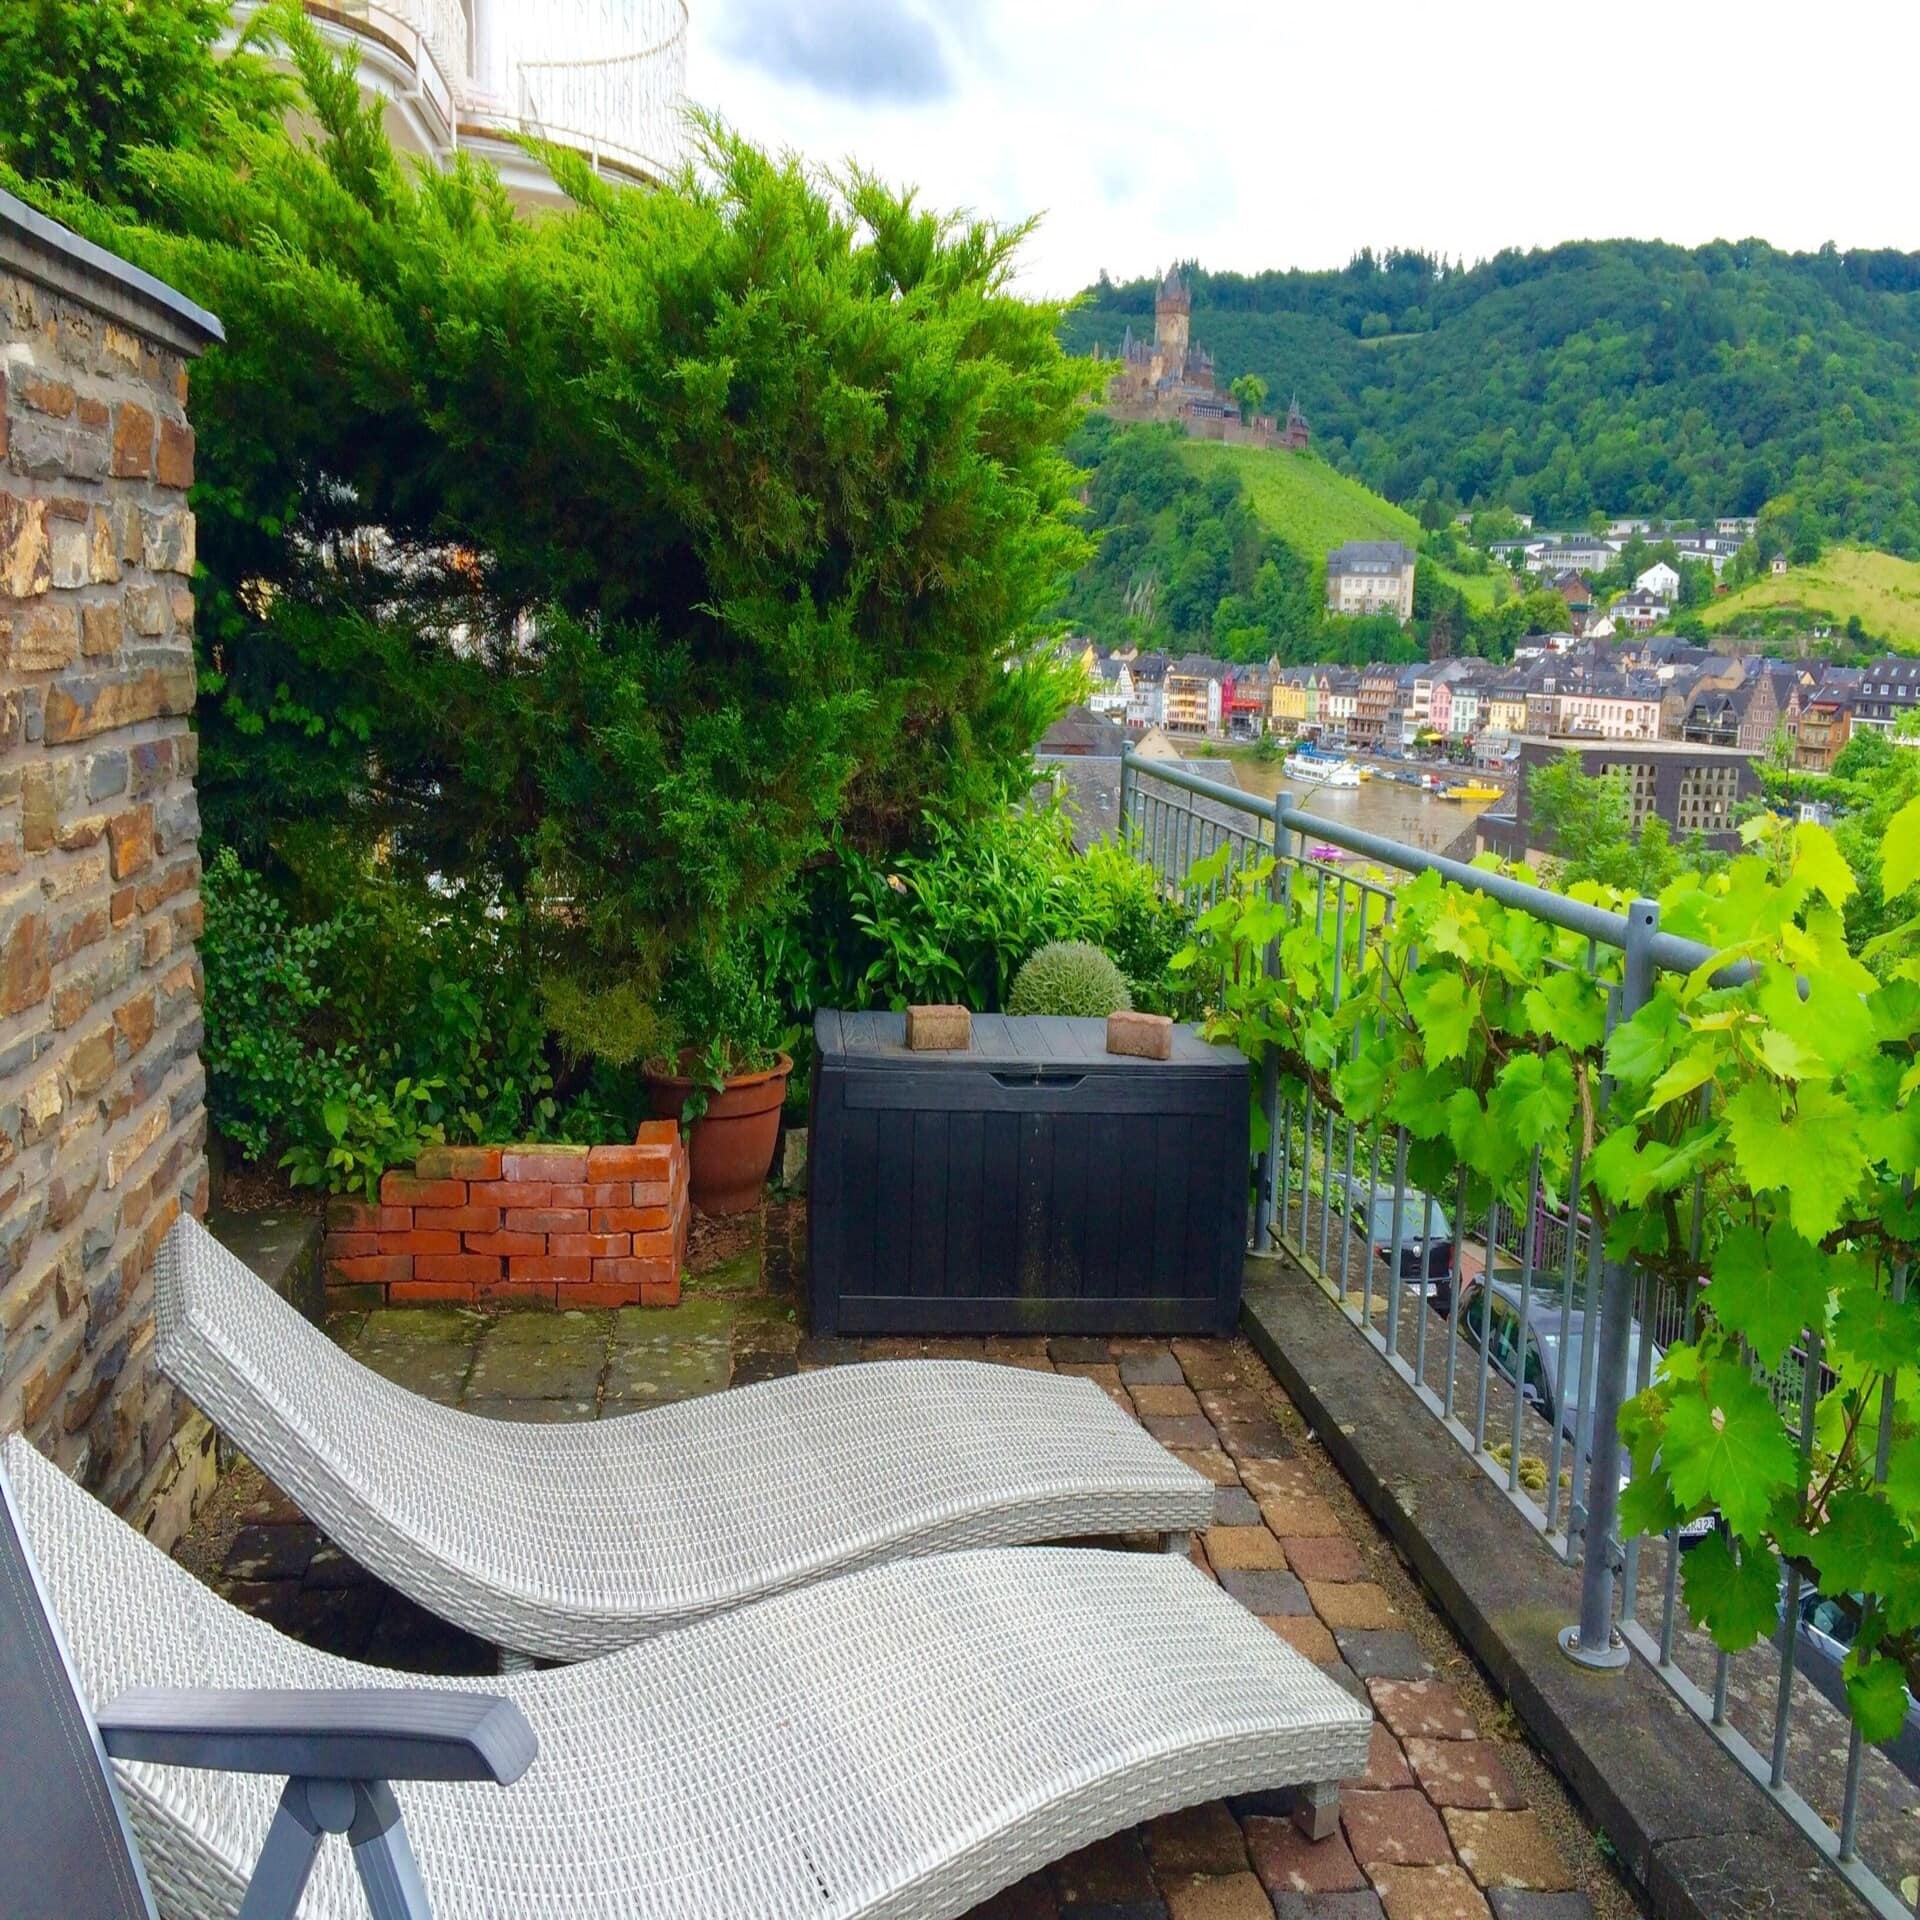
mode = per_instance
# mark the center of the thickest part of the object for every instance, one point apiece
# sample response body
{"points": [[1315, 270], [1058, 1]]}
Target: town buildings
{"points": [[1371, 576]]}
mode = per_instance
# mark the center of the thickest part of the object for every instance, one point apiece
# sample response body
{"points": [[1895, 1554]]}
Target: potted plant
{"points": [[726, 1080]]}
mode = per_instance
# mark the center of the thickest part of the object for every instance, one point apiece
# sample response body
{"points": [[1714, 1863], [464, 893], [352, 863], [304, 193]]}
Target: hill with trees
{"points": [[1866, 595], [1601, 376]]}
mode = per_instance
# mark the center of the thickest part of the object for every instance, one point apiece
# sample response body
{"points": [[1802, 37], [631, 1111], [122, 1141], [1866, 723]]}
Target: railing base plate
{"points": [[1608, 1659]]}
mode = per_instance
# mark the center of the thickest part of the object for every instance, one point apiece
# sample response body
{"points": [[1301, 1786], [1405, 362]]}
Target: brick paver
{"points": [[1435, 1827]]}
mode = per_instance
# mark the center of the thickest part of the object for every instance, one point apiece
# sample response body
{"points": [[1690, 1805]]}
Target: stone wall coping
{"points": [[43, 250]]}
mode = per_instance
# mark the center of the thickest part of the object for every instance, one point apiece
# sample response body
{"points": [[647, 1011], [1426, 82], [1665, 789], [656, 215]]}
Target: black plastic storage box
{"points": [[1033, 1184]]}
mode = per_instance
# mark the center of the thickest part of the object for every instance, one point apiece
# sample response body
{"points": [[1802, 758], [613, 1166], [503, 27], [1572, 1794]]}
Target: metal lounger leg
{"points": [[1316, 1809]]}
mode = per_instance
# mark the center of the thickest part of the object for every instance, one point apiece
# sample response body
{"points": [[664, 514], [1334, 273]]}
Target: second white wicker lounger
{"points": [[571, 1540], [897, 1745]]}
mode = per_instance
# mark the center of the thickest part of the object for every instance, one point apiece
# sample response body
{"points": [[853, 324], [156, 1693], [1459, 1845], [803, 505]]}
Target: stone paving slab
{"points": [[1423, 1841]]}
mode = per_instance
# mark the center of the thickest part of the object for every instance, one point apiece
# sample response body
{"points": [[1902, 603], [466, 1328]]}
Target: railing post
{"points": [[1592, 1642], [1278, 890], [1126, 796]]}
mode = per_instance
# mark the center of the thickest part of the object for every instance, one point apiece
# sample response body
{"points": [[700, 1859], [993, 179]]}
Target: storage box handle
{"points": [[1036, 1078]]}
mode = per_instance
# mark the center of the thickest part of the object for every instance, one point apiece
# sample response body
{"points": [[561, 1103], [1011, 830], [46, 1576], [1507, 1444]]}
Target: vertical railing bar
{"points": [[1790, 1637], [1642, 1377], [1393, 1250], [1456, 1286], [1561, 1410], [1346, 1191], [1526, 1319], [1486, 1333]]}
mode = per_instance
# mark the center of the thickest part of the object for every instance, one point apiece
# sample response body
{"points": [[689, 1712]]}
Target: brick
{"points": [[939, 1029], [413, 1242], [167, 541], [1288, 1862], [1140, 1036], [458, 1163], [1233, 1896], [44, 394], [382, 1268], [600, 1293], [545, 1266], [456, 1266], [458, 1219], [629, 1163], [663, 1293], [132, 836], [366, 1217], [545, 1220], [1309, 1516], [26, 564], [544, 1163], [403, 1190], [1356, 1603], [629, 1220], [90, 1064], [46, 636], [146, 610], [485, 1291], [26, 959], [1398, 1828], [512, 1193], [125, 1152], [352, 1246], [1305, 1635], [1265, 1590], [1197, 1840], [100, 630], [1386, 1764], [658, 1133], [570, 1196], [1324, 1557], [1239, 1547], [134, 1021], [591, 1246], [506, 1243], [1422, 1709], [1508, 1850], [175, 465], [1428, 1893], [1161, 1401], [1464, 1773], [79, 709], [132, 442], [103, 556], [658, 1245], [637, 1273]]}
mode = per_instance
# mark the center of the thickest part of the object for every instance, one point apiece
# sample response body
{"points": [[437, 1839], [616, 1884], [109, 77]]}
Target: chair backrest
{"points": [[65, 1847]]}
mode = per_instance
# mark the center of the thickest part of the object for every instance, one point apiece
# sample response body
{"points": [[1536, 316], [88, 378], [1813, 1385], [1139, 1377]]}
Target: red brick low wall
{"points": [[570, 1226]]}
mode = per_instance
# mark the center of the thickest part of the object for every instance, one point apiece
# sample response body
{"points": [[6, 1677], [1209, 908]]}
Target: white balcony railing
{"points": [[606, 75]]}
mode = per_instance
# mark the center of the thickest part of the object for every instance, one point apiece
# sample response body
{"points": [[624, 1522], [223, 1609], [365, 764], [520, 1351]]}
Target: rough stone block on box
{"points": [[1140, 1036], [939, 1029]]}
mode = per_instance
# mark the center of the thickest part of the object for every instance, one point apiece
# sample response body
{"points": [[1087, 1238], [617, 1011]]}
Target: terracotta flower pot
{"points": [[730, 1147]]}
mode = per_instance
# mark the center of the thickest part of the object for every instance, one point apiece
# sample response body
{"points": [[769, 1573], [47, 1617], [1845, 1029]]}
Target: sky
{"points": [[1271, 133]]}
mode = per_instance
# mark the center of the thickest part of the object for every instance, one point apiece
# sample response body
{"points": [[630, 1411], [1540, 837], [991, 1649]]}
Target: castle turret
{"points": [[1172, 311]]}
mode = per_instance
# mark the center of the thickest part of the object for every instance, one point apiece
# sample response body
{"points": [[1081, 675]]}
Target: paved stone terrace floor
{"points": [[1457, 1818]]}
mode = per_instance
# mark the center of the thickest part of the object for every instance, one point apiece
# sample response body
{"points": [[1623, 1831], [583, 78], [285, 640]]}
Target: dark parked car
{"points": [[1826, 1632], [1426, 1240], [1551, 1381]]}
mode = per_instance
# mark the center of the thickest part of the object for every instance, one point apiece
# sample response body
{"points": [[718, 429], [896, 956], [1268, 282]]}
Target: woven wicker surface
{"points": [[902, 1742], [571, 1540]]}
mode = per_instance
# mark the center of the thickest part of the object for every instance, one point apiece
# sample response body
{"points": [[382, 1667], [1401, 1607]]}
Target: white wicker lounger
{"points": [[572, 1540], [902, 1742]]}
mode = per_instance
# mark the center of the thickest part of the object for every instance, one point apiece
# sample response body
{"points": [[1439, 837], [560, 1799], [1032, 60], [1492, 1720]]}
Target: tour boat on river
{"points": [[1322, 770]]}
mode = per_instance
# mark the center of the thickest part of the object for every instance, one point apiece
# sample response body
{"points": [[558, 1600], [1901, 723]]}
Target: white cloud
{"points": [[1266, 133]]}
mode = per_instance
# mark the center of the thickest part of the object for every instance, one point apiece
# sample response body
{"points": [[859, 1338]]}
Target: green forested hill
{"points": [[1625, 376]]}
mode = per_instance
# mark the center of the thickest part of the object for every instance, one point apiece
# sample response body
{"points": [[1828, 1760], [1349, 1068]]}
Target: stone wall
{"points": [[550, 1225], [102, 1125]]}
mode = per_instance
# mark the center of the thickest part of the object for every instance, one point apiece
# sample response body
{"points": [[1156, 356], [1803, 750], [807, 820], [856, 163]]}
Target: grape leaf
{"points": [[1361, 1083], [1876, 1695], [1900, 851], [1736, 1599], [1861, 1547], [1419, 1101], [1445, 1008], [1875, 1329], [1694, 1068], [1639, 1048], [1817, 859], [1647, 1504], [1814, 1152], [1570, 1008], [1768, 1287], [1726, 1444], [1532, 1100]]}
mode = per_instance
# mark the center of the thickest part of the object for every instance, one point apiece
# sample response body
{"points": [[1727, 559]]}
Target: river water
{"points": [[1375, 806]]}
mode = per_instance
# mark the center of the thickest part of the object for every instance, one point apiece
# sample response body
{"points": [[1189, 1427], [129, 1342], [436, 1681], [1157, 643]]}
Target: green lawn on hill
{"points": [[1315, 509], [1881, 588]]}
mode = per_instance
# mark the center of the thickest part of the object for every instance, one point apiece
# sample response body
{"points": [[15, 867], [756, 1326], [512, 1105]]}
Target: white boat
{"points": [[1322, 770]]}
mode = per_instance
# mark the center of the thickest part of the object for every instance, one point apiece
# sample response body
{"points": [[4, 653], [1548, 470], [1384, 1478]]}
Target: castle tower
{"points": [[1172, 311]]}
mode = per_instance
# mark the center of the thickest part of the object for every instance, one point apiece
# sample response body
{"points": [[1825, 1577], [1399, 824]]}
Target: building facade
{"points": [[1371, 576]]}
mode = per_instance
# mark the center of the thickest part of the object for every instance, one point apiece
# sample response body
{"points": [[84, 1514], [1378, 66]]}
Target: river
{"points": [[1375, 806]]}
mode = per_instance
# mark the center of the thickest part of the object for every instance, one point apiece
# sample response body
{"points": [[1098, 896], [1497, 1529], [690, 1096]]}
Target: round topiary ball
{"points": [[1072, 977]]}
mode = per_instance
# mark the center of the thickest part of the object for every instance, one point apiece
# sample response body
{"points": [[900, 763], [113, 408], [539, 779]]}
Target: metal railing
{"points": [[621, 94], [1529, 1374]]}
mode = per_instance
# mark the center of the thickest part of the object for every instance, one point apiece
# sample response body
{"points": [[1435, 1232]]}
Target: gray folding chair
{"points": [[65, 1846]]}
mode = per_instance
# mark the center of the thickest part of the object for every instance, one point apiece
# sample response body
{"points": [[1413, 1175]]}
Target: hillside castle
{"points": [[1169, 378]]}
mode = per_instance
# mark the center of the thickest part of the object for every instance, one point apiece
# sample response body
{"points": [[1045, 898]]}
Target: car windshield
{"points": [[1413, 1219], [1548, 1334]]}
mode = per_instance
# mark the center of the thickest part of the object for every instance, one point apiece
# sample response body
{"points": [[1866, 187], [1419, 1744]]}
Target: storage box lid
{"points": [[1039, 1041]]}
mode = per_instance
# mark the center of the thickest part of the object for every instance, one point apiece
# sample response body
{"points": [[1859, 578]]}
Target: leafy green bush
{"points": [[1069, 977]]}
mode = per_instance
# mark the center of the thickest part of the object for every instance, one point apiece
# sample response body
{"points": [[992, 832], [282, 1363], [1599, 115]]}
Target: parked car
{"points": [[1550, 1378], [1827, 1628], [1426, 1241]]}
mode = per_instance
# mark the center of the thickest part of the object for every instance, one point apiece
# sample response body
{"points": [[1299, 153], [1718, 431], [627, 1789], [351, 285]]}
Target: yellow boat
{"points": [[1474, 790]]}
